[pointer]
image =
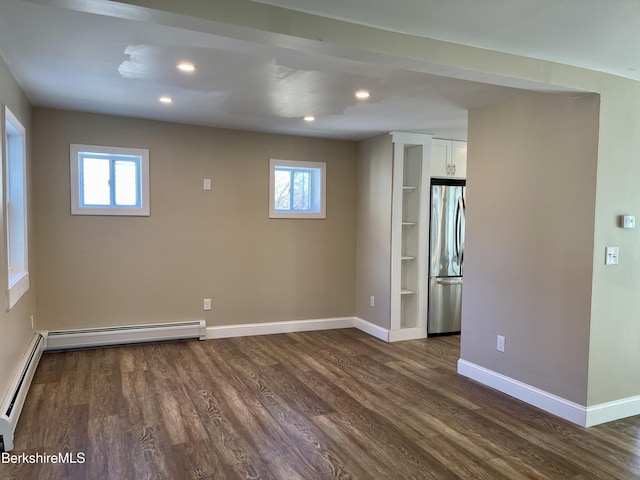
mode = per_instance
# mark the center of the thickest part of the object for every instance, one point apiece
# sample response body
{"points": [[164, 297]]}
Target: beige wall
{"points": [[15, 326], [531, 202], [98, 271], [614, 351], [373, 266]]}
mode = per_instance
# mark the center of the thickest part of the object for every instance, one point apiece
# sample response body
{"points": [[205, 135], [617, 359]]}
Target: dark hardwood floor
{"points": [[319, 405]]}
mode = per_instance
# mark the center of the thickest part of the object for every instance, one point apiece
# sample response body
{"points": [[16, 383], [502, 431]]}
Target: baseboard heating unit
{"points": [[14, 400], [100, 337]]}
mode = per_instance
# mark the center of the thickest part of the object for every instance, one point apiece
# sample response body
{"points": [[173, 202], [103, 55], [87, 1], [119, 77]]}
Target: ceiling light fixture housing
{"points": [[309, 118], [165, 99], [363, 94]]}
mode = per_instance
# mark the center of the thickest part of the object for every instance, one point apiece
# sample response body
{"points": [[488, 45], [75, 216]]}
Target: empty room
{"points": [[285, 239]]}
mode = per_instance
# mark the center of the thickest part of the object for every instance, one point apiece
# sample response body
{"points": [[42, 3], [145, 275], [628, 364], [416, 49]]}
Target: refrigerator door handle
{"points": [[459, 239], [449, 281], [458, 233]]}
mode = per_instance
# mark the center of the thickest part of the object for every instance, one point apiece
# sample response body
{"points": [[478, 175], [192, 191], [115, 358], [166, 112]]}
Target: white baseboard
{"points": [[407, 334], [371, 328], [533, 396], [610, 411], [248, 329], [389, 335], [573, 412]]}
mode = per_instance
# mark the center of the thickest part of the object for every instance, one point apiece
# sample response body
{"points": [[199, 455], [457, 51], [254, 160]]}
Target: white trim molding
{"points": [[270, 328], [561, 407], [372, 329], [533, 396], [248, 329], [292, 326], [610, 411], [407, 334]]}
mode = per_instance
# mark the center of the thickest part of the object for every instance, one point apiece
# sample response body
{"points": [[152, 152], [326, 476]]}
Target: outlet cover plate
{"points": [[612, 255]]}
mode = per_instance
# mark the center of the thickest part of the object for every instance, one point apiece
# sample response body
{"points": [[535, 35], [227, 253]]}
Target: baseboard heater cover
{"points": [[125, 334], [15, 397]]}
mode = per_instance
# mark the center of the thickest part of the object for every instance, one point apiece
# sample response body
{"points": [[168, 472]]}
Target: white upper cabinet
{"points": [[448, 158], [459, 159], [440, 157]]}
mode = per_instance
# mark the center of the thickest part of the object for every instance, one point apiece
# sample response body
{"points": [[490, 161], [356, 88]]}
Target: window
{"points": [[296, 189], [16, 209], [109, 180]]}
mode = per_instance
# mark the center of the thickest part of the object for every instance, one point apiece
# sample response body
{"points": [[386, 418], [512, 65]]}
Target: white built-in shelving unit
{"points": [[409, 235]]}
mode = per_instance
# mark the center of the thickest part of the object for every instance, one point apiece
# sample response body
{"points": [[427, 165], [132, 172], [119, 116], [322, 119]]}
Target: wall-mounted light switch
{"points": [[206, 184], [612, 255]]}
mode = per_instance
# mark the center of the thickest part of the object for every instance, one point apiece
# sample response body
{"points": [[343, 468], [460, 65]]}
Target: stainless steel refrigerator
{"points": [[446, 245]]}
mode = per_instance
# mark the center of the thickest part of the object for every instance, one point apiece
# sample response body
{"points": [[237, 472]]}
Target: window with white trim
{"points": [[109, 180], [297, 189], [16, 209]]}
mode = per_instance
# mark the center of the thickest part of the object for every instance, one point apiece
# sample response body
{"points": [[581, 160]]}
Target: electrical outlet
{"points": [[372, 301], [500, 343], [207, 304]]}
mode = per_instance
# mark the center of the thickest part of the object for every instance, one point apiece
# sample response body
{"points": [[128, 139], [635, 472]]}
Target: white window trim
{"points": [[18, 282], [77, 209], [322, 214], [18, 286]]}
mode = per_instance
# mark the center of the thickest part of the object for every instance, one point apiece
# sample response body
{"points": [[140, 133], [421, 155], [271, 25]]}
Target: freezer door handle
{"points": [[449, 281]]}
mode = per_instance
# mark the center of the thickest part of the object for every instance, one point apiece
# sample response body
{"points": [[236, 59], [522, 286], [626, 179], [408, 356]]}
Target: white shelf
{"points": [[404, 291], [409, 224], [407, 258], [408, 189]]}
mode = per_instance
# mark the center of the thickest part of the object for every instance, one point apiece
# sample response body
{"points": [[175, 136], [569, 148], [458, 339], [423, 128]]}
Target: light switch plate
{"points": [[206, 184], [612, 255]]}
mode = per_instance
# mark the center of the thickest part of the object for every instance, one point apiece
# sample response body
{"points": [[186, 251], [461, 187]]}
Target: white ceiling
{"points": [[595, 34], [108, 57]]}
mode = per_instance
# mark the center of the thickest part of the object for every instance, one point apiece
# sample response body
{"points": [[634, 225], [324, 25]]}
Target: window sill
{"points": [[18, 286], [120, 212], [298, 215]]}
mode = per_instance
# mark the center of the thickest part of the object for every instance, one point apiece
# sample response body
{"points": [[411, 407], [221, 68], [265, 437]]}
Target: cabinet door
{"points": [[459, 160], [440, 157]]}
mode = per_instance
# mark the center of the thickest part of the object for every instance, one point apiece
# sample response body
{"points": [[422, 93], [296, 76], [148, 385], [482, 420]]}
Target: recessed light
{"points": [[363, 94], [186, 67], [165, 99], [309, 118]]}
